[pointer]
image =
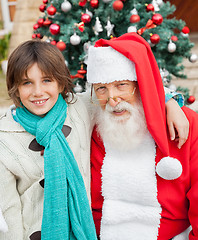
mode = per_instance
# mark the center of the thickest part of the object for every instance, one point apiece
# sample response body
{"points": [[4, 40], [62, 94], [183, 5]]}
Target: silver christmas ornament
{"points": [[132, 29], [109, 27], [78, 88], [150, 43], [75, 39], [89, 13], [134, 11], [185, 35], [193, 58], [171, 47], [106, 1], [160, 2], [66, 6], [97, 27]]}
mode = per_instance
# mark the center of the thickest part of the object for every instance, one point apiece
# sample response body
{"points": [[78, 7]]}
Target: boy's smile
{"points": [[38, 92]]}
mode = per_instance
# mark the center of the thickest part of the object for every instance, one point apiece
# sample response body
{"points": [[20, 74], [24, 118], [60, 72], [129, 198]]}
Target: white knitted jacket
{"points": [[21, 170]]}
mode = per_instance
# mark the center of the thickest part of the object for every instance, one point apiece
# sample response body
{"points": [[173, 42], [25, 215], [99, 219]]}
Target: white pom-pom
{"points": [[169, 168], [3, 225]]}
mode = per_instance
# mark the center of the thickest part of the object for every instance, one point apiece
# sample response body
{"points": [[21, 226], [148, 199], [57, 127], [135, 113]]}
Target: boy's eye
{"points": [[26, 82], [47, 80]]}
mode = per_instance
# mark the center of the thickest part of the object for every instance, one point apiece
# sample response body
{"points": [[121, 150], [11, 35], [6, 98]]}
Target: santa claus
{"points": [[143, 187]]}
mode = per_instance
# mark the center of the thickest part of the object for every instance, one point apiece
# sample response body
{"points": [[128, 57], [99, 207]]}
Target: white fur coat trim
{"points": [[3, 225], [129, 187]]}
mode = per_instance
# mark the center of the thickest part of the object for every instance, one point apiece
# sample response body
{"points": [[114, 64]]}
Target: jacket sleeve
{"points": [[10, 203], [192, 194]]}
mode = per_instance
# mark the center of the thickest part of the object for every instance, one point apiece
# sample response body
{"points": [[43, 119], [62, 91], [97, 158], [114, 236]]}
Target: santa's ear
{"points": [[3, 224]]}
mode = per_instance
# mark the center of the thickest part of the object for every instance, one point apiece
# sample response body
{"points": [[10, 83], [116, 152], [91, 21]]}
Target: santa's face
{"points": [[116, 92]]}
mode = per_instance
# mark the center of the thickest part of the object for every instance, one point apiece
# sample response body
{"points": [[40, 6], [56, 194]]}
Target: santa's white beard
{"points": [[122, 132]]}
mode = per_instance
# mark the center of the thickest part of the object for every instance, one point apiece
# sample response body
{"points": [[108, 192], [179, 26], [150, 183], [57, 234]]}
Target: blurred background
{"points": [[17, 18]]}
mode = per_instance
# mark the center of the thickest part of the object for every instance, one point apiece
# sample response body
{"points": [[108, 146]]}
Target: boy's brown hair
{"points": [[50, 61]]}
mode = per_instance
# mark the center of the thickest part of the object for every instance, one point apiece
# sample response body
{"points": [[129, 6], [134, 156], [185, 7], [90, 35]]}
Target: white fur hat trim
{"points": [[106, 65], [3, 225], [169, 168]]}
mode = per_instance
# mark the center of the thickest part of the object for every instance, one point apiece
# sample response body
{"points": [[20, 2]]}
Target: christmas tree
{"points": [[75, 25]]}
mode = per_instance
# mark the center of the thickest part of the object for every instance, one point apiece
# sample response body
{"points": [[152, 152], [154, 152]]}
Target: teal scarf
{"points": [[66, 211]]}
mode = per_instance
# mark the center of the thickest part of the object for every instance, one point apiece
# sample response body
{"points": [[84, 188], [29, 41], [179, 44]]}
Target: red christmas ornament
{"points": [[61, 45], [157, 18], [85, 18], [35, 26], [40, 22], [42, 8], [39, 35], [53, 42], [51, 10], [155, 38], [191, 99], [118, 5], [33, 35], [185, 30], [82, 71], [82, 3], [134, 18], [54, 29], [94, 3], [174, 38], [150, 8], [47, 22], [45, 1]]}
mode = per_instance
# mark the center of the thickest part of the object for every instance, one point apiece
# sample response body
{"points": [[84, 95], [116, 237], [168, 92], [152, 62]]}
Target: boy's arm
{"points": [[177, 121]]}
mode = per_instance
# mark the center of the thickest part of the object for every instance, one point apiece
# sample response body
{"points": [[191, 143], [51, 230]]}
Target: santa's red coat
{"points": [[178, 198]]}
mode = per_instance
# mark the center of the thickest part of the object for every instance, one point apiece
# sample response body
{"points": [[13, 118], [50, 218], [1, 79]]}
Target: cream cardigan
{"points": [[22, 171]]}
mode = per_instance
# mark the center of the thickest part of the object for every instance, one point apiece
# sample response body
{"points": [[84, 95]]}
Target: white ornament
{"points": [[172, 87], [66, 6], [160, 2], [185, 35], [75, 39], [132, 29], [155, 5], [78, 88], [109, 27], [106, 1], [134, 11], [171, 47], [193, 58], [164, 74], [89, 13], [97, 27], [150, 43], [48, 40]]}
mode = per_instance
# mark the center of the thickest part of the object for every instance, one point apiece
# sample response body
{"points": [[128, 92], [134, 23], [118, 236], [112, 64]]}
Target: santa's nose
{"points": [[113, 101]]}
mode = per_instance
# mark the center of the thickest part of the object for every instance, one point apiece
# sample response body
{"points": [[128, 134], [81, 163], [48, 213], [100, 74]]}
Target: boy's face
{"points": [[38, 92]]}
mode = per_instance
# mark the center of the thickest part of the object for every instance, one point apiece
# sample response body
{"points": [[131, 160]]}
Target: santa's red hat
{"points": [[140, 65]]}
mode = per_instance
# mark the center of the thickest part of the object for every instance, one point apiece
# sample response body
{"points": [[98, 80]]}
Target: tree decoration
{"points": [[109, 27], [80, 26], [75, 39], [94, 3], [164, 75], [174, 38], [191, 99], [185, 30], [61, 45], [66, 6], [134, 18], [106, 1], [78, 88], [45, 1], [155, 38], [51, 10], [35, 26], [38, 35], [53, 42], [47, 22], [33, 35], [132, 29], [172, 87], [150, 8], [155, 5], [134, 11], [42, 7], [118, 5], [97, 27], [157, 18], [171, 47], [85, 18], [40, 22], [54, 29], [159, 2], [82, 3], [193, 58], [89, 13]]}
